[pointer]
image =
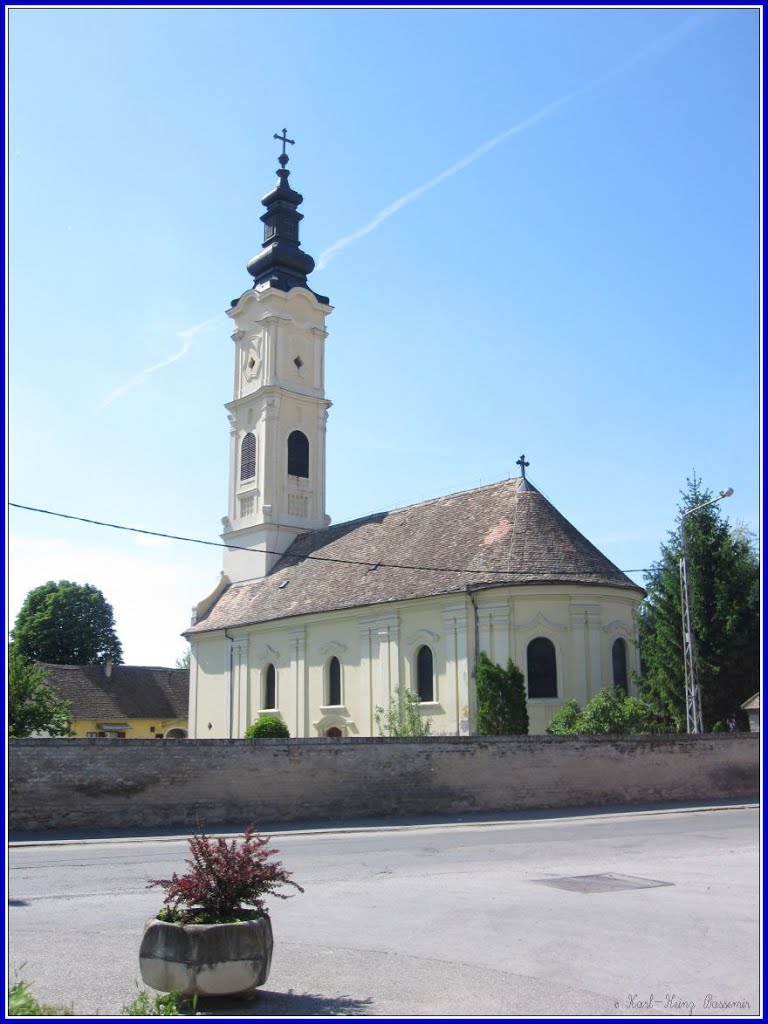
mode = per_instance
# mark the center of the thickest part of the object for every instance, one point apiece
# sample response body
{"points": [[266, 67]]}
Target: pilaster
{"points": [[297, 642], [457, 655]]}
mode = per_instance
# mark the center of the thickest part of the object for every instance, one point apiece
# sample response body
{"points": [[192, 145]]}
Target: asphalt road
{"points": [[445, 920]]}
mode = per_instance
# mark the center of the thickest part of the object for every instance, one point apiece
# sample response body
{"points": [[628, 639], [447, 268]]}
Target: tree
{"points": [[724, 594], [501, 705], [402, 717], [66, 624], [611, 712], [33, 705], [184, 659]]}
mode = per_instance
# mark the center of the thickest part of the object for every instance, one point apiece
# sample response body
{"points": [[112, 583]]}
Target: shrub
{"points": [[402, 717], [501, 705], [226, 881], [267, 727], [611, 712], [565, 721]]}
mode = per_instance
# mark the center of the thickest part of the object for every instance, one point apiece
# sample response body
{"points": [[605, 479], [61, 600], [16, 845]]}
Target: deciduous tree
{"points": [[33, 705], [66, 624]]}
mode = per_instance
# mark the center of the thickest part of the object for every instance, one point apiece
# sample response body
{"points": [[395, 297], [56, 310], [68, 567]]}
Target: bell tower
{"points": [[278, 411]]}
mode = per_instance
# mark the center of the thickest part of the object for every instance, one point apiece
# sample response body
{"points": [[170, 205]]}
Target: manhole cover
{"points": [[608, 882]]}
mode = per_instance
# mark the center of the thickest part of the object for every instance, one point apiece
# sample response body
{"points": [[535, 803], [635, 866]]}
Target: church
{"points": [[322, 623]]}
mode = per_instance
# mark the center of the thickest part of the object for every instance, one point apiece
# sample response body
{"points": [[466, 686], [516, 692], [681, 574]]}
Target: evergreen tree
{"points": [[66, 624], [724, 594], [501, 705], [33, 705]]}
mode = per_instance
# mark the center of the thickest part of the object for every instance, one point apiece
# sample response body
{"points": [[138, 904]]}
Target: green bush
{"points": [[266, 727], [566, 720], [611, 712]]}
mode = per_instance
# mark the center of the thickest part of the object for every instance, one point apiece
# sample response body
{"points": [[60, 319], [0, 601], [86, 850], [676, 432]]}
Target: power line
{"points": [[369, 563]]}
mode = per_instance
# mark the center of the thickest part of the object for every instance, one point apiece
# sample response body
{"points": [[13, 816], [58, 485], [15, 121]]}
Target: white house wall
{"points": [[376, 647]]}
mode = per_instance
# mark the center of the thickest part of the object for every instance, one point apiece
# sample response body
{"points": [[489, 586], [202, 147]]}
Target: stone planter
{"points": [[206, 959]]}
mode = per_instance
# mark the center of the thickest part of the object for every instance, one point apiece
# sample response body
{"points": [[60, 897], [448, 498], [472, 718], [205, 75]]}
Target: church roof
{"points": [[500, 535], [131, 691]]}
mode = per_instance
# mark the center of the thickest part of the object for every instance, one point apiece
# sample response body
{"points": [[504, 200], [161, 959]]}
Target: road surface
{"points": [[452, 919]]}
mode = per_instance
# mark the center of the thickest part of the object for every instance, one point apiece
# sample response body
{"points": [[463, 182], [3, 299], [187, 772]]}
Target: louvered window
{"points": [[248, 457]]}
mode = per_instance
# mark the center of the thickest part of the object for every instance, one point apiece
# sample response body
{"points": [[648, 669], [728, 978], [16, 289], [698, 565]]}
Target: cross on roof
{"points": [[284, 138], [522, 464]]}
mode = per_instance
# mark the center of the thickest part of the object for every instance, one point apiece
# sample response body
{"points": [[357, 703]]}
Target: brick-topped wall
{"points": [[99, 784]]}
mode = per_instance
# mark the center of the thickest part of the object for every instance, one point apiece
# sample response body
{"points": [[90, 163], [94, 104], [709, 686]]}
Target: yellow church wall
{"points": [[377, 647]]}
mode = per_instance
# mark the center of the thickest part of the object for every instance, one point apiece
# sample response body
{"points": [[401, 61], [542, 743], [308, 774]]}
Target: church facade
{"points": [[321, 624]]}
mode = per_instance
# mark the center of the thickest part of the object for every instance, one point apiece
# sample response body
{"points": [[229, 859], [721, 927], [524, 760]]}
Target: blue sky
{"points": [[562, 260]]}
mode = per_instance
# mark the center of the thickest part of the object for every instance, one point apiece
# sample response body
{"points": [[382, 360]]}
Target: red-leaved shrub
{"points": [[226, 881]]}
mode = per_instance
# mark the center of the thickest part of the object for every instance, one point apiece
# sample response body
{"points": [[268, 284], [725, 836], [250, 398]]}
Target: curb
{"points": [[355, 829]]}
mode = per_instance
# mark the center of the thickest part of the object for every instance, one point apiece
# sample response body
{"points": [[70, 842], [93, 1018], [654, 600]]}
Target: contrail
{"points": [[187, 334], [327, 255], [689, 25]]}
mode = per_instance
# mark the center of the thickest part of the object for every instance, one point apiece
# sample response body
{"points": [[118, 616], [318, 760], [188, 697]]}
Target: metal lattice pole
{"points": [[693, 717], [692, 695]]}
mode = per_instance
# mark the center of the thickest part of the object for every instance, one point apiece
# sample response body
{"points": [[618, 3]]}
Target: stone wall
{"points": [[101, 784]]}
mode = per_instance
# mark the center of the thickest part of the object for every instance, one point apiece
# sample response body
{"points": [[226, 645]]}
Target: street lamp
{"points": [[694, 723]]}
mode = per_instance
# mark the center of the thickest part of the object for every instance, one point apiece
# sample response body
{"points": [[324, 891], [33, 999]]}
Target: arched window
{"points": [[542, 668], [298, 454], [425, 676], [333, 687], [248, 457], [334, 732], [270, 694], [619, 656]]}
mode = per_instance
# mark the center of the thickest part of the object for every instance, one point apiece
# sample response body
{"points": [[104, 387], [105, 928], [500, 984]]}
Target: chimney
{"points": [[108, 667]]}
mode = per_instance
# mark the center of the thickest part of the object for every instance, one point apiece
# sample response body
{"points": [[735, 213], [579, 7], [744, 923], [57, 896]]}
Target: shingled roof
{"points": [[131, 691], [501, 535]]}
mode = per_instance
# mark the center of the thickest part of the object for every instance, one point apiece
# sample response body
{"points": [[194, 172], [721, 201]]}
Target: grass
{"points": [[21, 1003]]}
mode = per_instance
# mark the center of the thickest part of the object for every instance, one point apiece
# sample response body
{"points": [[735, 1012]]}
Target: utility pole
{"points": [[693, 719]]}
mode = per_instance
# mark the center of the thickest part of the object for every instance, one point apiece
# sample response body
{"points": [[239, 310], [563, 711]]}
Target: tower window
{"points": [[334, 683], [248, 457], [619, 657], [298, 454], [542, 668], [425, 676]]}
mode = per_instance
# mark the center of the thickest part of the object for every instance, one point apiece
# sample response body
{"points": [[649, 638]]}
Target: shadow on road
{"points": [[285, 1004]]}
